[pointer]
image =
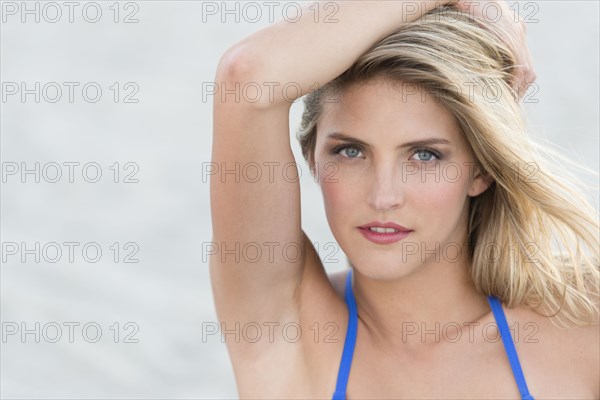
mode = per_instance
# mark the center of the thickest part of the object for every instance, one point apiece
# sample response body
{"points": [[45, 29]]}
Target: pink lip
{"points": [[385, 225], [383, 238]]}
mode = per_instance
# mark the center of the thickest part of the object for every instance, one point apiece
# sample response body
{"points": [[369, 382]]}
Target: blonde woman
{"points": [[473, 259]]}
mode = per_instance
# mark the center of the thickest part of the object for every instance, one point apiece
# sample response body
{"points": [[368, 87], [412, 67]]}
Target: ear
{"points": [[480, 183]]}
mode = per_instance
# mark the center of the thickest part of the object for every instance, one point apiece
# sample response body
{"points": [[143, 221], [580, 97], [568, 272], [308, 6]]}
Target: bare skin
{"points": [[392, 295]]}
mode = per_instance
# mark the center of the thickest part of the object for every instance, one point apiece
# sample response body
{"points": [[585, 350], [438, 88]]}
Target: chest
{"points": [[463, 370]]}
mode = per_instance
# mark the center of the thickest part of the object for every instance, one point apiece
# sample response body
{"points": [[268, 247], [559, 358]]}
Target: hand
{"points": [[512, 33]]}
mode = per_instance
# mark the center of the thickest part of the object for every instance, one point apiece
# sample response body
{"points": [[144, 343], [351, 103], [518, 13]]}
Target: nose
{"points": [[386, 190]]}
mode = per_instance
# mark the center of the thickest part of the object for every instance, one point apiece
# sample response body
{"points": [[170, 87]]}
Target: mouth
{"points": [[384, 233], [382, 230], [384, 227]]}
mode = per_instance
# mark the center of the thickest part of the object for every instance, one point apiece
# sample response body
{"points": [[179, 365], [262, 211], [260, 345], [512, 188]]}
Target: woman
{"points": [[447, 212]]}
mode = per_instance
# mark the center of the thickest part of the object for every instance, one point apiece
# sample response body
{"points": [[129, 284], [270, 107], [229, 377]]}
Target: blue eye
{"points": [[426, 154], [352, 153]]}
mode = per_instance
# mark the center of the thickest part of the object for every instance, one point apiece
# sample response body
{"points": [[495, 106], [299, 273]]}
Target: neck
{"points": [[416, 310]]}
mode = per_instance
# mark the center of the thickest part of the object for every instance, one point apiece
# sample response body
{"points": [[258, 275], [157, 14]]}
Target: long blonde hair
{"points": [[530, 203]]}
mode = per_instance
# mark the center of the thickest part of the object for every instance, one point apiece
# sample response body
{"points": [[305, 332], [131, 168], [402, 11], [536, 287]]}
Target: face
{"points": [[372, 168]]}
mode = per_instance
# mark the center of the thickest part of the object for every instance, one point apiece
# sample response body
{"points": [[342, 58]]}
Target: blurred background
{"points": [[105, 215]]}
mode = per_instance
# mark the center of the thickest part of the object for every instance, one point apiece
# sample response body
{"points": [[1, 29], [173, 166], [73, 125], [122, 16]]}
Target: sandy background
{"points": [[164, 300]]}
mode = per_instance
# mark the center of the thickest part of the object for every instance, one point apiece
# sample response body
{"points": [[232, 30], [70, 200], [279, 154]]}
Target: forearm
{"points": [[312, 51]]}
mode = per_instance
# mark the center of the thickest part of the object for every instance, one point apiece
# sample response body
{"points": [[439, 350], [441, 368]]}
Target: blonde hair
{"points": [[465, 64]]}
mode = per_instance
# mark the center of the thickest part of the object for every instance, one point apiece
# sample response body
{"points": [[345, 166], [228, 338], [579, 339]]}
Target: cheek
{"points": [[339, 186], [343, 197], [439, 205], [337, 197], [442, 194]]}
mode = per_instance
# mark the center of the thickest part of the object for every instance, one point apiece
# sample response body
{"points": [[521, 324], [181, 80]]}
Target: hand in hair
{"points": [[501, 19]]}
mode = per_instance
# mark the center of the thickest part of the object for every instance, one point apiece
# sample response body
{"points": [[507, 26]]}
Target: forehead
{"points": [[388, 109]]}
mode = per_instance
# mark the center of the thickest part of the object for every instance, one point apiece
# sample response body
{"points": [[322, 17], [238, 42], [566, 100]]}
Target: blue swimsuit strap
{"points": [[346, 362], [350, 341], [509, 346]]}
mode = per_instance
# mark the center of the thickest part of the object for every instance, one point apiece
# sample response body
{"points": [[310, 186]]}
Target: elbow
{"points": [[235, 65], [240, 78]]}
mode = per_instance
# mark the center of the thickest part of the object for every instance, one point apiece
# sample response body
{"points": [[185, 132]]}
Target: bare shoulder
{"points": [[582, 341], [570, 354], [585, 348]]}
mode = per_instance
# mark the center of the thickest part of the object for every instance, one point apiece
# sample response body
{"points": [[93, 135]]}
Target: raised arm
{"points": [[251, 139], [327, 38]]}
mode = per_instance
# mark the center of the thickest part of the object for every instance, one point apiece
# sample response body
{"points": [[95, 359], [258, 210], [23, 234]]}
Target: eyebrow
{"points": [[416, 143]]}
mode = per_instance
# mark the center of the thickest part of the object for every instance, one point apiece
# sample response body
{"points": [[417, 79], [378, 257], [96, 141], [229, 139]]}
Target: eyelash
{"points": [[339, 148]]}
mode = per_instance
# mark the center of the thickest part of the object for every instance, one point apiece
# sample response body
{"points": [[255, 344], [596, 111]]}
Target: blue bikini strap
{"points": [[346, 362], [509, 346]]}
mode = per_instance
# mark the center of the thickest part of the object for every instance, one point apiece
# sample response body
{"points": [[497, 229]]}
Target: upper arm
{"points": [[258, 256]]}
